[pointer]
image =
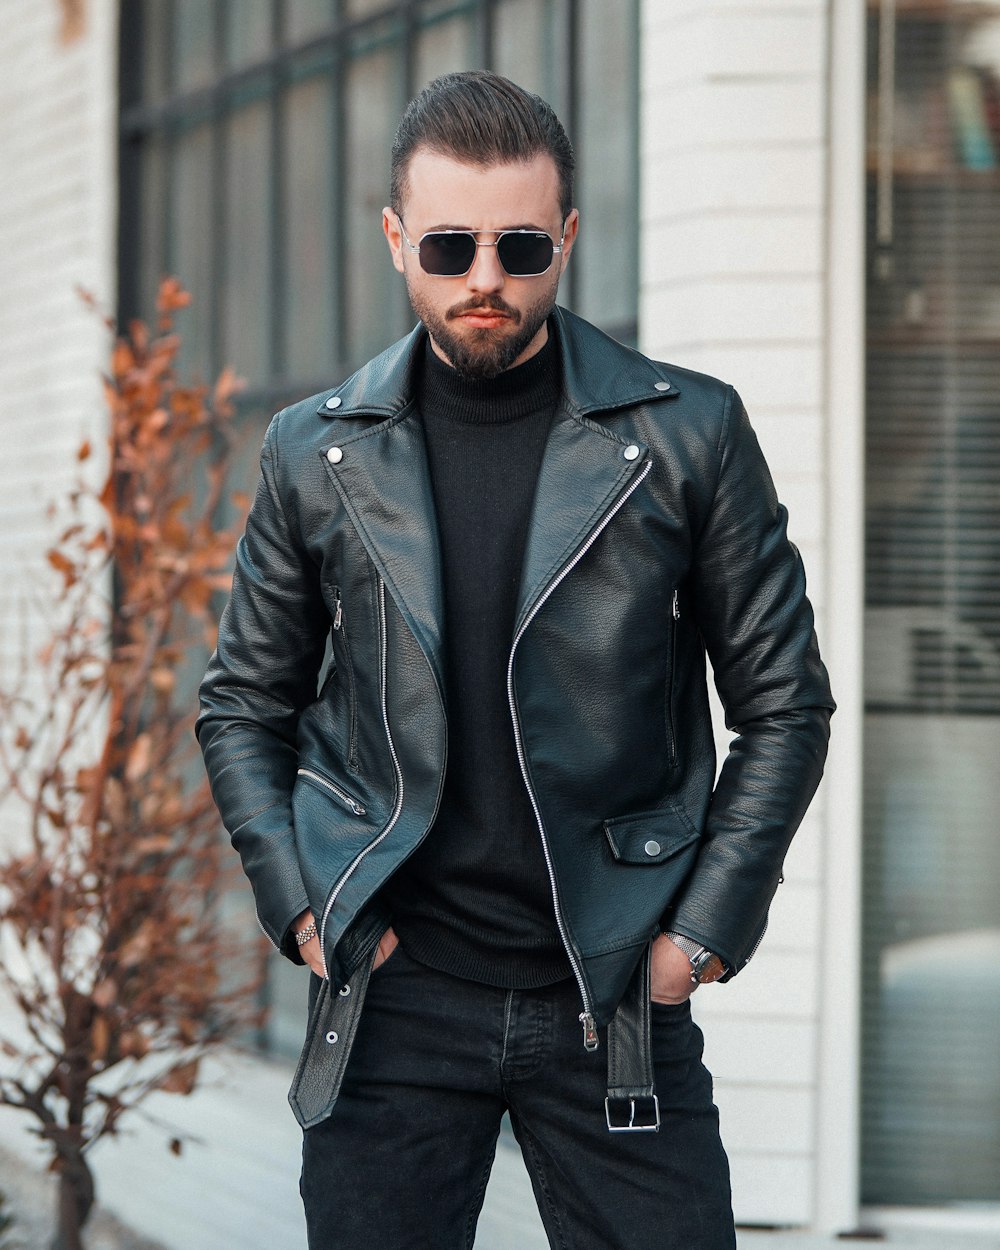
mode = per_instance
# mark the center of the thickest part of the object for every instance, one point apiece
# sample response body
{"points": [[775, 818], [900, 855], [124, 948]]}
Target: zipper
{"points": [[756, 945], [586, 1017], [675, 616], [345, 798], [338, 627], [397, 807]]}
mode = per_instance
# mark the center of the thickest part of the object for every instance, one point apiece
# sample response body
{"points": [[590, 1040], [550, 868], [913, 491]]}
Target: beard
{"points": [[483, 353]]}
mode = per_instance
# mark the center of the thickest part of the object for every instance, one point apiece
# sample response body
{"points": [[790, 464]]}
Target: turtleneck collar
{"points": [[516, 393]]}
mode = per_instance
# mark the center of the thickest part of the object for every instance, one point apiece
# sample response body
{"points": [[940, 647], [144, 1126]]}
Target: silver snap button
{"points": [[661, 386], [631, 452], [332, 1037], [344, 991], [335, 455], [652, 848], [334, 401]]}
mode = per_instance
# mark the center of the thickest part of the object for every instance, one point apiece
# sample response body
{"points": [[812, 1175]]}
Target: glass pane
{"points": [[308, 235], [530, 46], [193, 43], [248, 31], [374, 298], [153, 225], [246, 295], [606, 257], [931, 1019], [155, 50], [305, 18], [191, 253], [443, 46]]}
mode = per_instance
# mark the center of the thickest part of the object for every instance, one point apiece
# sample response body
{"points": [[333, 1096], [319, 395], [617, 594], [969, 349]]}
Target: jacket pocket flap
{"points": [[650, 837]]}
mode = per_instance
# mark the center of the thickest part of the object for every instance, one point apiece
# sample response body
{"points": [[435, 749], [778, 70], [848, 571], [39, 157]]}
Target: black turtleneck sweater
{"points": [[475, 900]]}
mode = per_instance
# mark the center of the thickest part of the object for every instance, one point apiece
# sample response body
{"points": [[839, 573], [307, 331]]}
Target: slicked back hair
{"points": [[480, 119]]}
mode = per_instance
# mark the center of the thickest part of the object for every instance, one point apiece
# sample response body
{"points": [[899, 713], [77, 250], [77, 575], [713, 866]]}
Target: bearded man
{"points": [[458, 726]]}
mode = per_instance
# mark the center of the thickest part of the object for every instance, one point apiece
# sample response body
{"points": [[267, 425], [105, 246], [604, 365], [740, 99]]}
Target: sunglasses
{"points": [[452, 253]]}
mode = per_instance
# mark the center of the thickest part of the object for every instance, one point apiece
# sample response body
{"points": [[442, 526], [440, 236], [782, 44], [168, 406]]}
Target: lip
{"points": [[485, 319]]}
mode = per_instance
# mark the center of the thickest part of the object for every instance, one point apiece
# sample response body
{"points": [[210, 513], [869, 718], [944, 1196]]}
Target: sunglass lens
{"points": [[525, 253], [447, 255]]}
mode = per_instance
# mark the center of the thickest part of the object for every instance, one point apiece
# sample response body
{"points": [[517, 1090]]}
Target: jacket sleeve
{"points": [[757, 624], [272, 638]]}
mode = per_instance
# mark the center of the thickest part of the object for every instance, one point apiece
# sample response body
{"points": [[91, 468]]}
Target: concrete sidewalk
{"points": [[236, 1181]]}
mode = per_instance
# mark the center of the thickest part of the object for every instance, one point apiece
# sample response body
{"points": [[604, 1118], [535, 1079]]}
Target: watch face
{"points": [[707, 968]]}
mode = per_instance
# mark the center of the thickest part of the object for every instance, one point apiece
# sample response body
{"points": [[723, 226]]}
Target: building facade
{"points": [[801, 197]]}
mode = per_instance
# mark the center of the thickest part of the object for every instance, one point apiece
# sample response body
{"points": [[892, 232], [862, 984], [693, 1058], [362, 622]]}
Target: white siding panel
{"points": [[792, 442], [764, 1052], [740, 310], [725, 175], [736, 240], [764, 989], [729, 112], [775, 1121], [773, 1188], [760, 42]]}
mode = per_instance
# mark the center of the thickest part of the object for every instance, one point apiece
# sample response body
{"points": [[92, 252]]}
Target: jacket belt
{"points": [[631, 1104], [333, 1023]]}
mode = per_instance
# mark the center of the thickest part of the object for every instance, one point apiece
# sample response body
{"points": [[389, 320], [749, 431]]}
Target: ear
{"points": [[393, 236], [569, 237]]}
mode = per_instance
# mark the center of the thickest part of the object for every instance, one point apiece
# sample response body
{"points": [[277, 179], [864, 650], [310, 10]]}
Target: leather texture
{"points": [[631, 1080], [330, 1034], [656, 538]]}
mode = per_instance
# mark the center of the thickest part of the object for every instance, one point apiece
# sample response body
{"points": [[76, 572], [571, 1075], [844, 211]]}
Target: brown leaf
{"points": [[64, 566], [182, 1079], [138, 758]]}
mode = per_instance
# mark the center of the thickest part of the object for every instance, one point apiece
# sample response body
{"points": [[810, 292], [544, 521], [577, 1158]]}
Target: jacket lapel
{"points": [[382, 478], [585, 472]]}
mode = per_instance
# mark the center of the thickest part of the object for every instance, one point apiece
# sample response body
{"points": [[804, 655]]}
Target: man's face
{"points": [[484, 321]]}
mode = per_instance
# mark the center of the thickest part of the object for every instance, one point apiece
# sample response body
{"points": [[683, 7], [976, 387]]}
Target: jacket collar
{"points": [[598, 375]]}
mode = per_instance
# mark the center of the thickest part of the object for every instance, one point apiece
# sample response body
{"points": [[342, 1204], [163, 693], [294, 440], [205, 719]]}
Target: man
{"points": [[493, 832]]}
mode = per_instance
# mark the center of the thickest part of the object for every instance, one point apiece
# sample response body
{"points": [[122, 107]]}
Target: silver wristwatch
{"points": [[706, 966]]}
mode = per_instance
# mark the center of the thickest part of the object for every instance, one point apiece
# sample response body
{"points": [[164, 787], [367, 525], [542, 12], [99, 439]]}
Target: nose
{"points": [[486, 274]]}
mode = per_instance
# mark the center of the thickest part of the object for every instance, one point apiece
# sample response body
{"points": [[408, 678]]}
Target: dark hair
{"points": [[481, 119]]}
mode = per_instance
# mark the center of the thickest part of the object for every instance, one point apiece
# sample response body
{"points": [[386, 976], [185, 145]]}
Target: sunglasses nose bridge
{"points": [[485, 273]]}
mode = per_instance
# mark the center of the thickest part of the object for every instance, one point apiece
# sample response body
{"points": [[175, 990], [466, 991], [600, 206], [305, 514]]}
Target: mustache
{"points": [[492, 302]]}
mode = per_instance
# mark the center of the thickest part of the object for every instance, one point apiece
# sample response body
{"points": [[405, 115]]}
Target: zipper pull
{"points": [[675, 607], [590, 1039], [338, 615]]}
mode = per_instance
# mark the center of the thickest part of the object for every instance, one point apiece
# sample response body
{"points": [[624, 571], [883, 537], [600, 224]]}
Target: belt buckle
{"points": [[650, 1126]]}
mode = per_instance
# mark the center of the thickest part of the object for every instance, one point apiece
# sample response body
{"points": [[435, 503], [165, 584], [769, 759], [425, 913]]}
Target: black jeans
{"points": [[402, 1162]]}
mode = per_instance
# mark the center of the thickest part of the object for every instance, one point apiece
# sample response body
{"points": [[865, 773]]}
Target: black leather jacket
{"points": [[656, 536]]}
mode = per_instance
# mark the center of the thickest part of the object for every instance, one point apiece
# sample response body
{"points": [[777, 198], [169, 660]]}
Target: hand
{"points": [[670, 973], [387, 944], [310, 951]]}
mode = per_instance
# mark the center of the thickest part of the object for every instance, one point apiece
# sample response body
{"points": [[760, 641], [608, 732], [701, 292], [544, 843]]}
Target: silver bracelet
{"points": [[305, 935]]}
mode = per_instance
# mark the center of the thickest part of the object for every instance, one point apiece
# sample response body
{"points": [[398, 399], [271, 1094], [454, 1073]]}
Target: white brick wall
{"points": [[57, 206], [734, 100], [57, 220]]}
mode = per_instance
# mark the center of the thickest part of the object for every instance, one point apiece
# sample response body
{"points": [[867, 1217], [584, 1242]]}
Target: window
{"points": [[931, 1104]]}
